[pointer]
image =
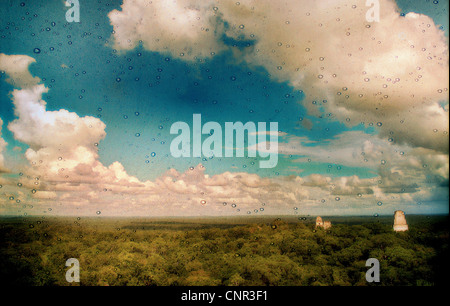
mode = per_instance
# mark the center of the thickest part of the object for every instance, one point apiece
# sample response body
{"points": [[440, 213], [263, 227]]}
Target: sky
{"points": [[86, 107]]}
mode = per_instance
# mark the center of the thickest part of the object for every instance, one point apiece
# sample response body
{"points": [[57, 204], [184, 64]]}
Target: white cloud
{"points": [[45, 195], [185, 29], [16, 66], [40, 128]]}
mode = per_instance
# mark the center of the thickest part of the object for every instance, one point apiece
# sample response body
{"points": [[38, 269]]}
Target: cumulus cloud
{"points": [[393, 73], [352, 185], [187, 29], [16, 67], [40, 128]]}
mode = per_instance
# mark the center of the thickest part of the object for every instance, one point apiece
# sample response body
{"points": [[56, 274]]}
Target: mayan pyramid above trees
{"points": [[400, 224]]}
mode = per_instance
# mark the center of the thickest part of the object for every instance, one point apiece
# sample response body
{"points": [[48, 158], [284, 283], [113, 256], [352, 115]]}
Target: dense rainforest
{"points": [[119, 252]]}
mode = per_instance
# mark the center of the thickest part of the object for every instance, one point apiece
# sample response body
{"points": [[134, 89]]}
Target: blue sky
{"points": [[139, 92]]}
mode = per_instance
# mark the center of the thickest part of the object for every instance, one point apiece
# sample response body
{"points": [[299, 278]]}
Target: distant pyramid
{"points": [[321, 223], [400, 224]]}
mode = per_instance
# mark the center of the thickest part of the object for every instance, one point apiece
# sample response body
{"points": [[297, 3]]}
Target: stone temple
{"points": [[400, 224], [323, 224]]}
